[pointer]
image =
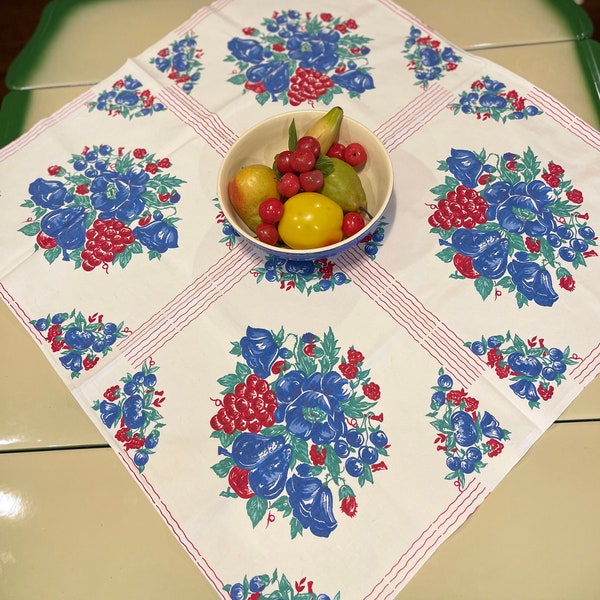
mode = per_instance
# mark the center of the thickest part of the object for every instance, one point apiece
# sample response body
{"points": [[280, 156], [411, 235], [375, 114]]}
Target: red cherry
{"points": [[336, 151], [288, 185], [302, 160], [282, 162], [355, 155], [308, 142], [311, 181], [267, 233], [353, 223], [270, 210]]}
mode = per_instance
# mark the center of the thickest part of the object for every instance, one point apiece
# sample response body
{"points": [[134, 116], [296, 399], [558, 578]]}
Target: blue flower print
{"points": [[119, 195], [298, 57], [312, 503], [248, 50], [49, 194], [88, 212], [508, 223], [521, 208], [310, 405], [259, 350], [314, 51]]}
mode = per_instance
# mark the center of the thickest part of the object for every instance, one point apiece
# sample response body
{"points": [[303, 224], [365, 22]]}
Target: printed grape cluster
{"points": [[462, 207], [105, 240], [250, 407]]}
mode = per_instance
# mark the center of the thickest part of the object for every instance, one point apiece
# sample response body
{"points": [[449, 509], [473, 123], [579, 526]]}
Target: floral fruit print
{"points": [[298, 430]]}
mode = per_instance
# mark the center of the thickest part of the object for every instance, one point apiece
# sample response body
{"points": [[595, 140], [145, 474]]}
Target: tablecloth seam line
{"points": [[20, 313]]}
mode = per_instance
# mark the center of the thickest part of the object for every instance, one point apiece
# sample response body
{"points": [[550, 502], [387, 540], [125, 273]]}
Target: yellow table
{"points": [[61, 511]]}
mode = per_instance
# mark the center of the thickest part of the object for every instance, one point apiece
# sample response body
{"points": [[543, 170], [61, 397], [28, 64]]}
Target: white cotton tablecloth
{"points": [[312, 427]]}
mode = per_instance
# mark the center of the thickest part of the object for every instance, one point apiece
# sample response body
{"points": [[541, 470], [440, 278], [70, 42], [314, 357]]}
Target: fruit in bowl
{"points": [[314, 197]]}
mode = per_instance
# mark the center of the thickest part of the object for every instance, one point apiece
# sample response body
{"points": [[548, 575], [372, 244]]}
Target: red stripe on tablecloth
{"points": [[588, 368], [461, 516], [395, 8], [413, 117], [173, 524], [204, 122], [20, 313], [187, 306], [556, 111], [426, 540], [46, 124], [440, 342]]}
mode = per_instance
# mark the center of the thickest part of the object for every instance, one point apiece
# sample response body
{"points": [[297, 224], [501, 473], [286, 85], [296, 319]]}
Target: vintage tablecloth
{"points": [[310, 429]]}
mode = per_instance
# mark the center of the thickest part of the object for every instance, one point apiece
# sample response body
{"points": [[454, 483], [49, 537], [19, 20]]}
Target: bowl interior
{"points": [[262, 142]]}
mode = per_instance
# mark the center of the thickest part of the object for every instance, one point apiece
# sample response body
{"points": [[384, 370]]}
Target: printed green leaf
{"points": [[31, 229], [295, 527], [256, 507], [223, 467], [484, 285]]}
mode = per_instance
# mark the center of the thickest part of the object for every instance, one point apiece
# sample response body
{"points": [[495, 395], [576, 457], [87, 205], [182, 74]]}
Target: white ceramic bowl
{"points": [[260, 144]]}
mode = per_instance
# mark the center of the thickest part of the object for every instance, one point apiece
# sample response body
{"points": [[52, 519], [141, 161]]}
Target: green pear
{"points": [[344, 187]]}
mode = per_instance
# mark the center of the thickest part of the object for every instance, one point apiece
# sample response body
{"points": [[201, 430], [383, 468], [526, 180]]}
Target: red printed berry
{"points": [[307, 85]]}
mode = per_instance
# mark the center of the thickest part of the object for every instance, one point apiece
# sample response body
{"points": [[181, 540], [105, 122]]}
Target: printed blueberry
{"points": [[140, 458], [473, 454], [339, 278], [549, 373], [341, 448], [445, 381], [378, 438], [579, 245], [494, 341], [149, 380], [586, 232], [438, 399], [41, 324], [368, 454], [478, 348], [453, 463], [466, 466], [354, 466], [355, 438]]}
